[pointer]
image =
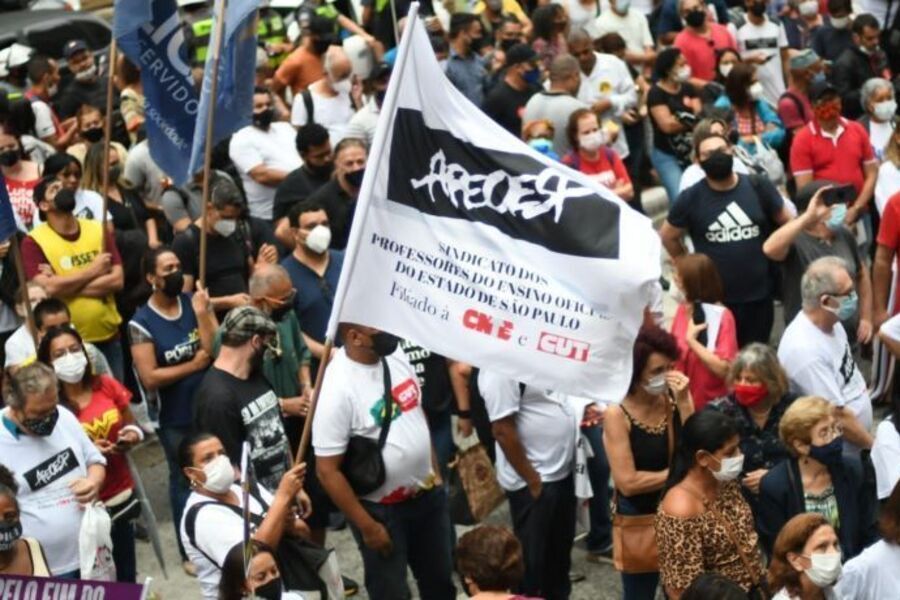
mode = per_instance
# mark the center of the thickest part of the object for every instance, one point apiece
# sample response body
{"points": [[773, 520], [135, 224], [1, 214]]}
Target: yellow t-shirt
{"points": [[509, 7], [96, 319]]}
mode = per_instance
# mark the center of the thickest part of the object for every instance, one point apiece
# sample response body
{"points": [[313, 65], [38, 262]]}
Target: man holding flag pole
{"points": [[548, 289]]}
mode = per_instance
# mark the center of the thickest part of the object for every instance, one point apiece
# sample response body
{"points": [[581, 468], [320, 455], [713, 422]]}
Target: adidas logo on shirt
{"points": [[732, 225]]}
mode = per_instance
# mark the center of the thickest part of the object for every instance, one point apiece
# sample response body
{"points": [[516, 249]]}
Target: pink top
{"points": [[705, 386], [700, 51]]}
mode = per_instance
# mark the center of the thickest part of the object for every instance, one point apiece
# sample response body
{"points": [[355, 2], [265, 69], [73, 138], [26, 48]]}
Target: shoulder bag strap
{"points": [[748, 566], [670, 429], [388, 404]]}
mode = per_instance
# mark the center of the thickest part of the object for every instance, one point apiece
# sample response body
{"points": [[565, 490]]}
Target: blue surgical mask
{"points": [[532, 77], [847, 308], [836, 220], [818, 77]]}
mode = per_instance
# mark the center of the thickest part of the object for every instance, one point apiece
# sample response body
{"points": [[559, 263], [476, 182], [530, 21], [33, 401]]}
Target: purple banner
{"points": [[14, 587]]}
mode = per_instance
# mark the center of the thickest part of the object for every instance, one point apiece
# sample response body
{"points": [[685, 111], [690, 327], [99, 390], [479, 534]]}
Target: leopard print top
{"points": [[695, 545]]}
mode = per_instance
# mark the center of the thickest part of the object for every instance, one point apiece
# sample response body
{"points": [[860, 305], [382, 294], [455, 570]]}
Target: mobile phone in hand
{"points": [[840, 194]]}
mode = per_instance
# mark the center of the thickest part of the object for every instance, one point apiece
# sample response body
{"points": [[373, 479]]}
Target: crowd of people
{"points": [[747, 458]]}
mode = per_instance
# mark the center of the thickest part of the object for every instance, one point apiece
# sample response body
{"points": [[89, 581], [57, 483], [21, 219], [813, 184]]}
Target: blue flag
{"points": [[237, 71], [7, 217], [151, 36]]}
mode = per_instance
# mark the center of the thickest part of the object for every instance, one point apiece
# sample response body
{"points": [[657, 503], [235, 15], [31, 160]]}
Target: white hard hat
{"points": [[183, 3], [14, 56]]}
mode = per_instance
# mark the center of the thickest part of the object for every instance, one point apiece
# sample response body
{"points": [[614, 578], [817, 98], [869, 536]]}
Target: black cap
{"points": [[821, 88], [73, 47], [381, 70], [520, 53]]}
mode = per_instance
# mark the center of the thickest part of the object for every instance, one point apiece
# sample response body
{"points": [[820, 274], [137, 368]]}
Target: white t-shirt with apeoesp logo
{"points": [[351, 403]]}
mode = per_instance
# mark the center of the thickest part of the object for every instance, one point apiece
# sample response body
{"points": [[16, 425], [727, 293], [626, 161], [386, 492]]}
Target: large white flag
{"points": [[471, 244]]}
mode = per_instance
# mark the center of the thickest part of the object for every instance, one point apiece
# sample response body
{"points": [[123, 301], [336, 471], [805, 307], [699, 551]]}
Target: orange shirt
{"points": [[300, 69]]}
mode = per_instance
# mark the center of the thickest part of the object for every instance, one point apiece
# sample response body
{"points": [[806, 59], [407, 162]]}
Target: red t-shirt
{"points": [[838, 160], [607, 169], [102, 420], [33, 257], [700, 51], [21, 196], [705, 386], [889, 235]]}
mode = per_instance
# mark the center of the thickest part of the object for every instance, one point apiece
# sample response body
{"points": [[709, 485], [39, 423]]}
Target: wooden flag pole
{"points": [[107, 138], [216, 50], [307, 422], [23, 285]]}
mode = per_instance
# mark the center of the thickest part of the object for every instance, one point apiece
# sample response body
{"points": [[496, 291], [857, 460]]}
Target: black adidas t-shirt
{"points": [[730, 227]]}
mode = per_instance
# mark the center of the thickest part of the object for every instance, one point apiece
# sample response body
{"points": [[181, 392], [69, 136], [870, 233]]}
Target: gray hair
{"points": [[264, 277], [819, 279], [875, 84], [563, 66], [30, 380], [761, 360]]}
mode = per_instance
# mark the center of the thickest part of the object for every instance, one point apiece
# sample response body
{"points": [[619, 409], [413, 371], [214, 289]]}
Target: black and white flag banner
{"points": [[471, 244]]}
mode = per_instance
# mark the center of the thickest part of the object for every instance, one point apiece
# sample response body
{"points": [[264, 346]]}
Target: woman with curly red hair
{"points": [[639, 436]]}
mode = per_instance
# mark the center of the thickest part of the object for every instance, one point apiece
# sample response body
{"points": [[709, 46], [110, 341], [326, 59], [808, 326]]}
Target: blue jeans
{"points": [[545, 527], [122, 534], [669, 170], [170, 438], [599, 537], [636, 586], [419, 530], [112, 350]]}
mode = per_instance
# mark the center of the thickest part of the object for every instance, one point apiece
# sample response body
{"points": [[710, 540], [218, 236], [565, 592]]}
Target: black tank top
{"points": [[650, 449]]}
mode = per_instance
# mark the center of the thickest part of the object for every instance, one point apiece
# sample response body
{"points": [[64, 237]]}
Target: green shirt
{"points": [[281, 368]]}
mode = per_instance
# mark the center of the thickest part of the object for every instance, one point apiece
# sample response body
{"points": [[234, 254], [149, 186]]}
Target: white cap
{"points": [[14, 56], [182, 3]]}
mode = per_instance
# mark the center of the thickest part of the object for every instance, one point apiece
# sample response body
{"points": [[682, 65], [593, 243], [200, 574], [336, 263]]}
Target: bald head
{"points": [[564, 75], [337, 64], [269, 281]]}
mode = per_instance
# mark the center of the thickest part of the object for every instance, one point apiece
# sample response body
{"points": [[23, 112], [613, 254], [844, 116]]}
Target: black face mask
{"points": [[321, 171], [269, 591], [256, 361], [718, 166], [64, 200], [354, 178], [695, 18], [477, 44], [757, 9], [42, 426], [173, 284], [9, 535], [505, 45], [384, 343], [321, 44], [10, 158], [115, 172], [93, 135], [264, 119], [281, 312]]}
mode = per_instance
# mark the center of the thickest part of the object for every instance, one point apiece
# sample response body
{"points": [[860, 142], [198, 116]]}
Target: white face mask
{"points": [[725, 69], [656, 385], [88, 74], [840, 22], [343, 86], [592, 141], [53, 90], [676, 293], [730, 468], [683, 74], [219, 475], [70, 367], [756, 90], [825, 569], [622, 6], [225, 227], [808, 8], [884, 111], [318, 239]]}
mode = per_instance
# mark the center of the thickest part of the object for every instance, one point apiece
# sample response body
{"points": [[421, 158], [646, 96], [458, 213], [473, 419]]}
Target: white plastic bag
{"points": [[95, 544]]}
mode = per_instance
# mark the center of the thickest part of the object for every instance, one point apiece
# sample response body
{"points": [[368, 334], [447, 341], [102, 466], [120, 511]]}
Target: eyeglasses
{"points": [[289, 299]]}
